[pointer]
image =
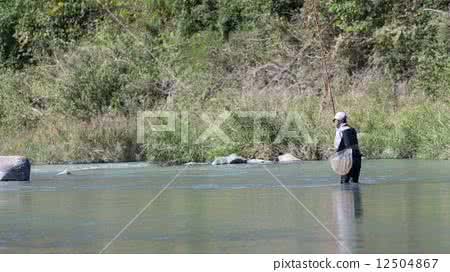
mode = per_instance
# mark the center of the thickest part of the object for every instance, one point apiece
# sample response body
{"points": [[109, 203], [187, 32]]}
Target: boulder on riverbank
{"points": [[231, 159], [288, 158], [14, 168]]}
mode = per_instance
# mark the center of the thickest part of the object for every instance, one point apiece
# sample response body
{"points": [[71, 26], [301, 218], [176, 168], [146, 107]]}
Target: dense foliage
{"points": [[82, 60]]}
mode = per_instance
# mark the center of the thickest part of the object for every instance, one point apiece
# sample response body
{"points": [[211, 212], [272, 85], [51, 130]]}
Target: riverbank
{"points": [[387, 131]]}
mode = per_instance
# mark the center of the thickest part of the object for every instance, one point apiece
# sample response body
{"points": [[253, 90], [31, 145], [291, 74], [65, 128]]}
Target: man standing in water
{"points": [[346, 138]]}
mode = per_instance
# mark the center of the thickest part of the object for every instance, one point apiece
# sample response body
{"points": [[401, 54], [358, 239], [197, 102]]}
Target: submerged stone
{"points": [[64, 173], [231, 159], [288, 158], [257, 161]]}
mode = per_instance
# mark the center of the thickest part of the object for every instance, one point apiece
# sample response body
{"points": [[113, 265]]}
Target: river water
{"points": [[399, 207]]}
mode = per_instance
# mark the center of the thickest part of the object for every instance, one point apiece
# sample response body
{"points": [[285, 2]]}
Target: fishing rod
{"points": [[314, 12]]}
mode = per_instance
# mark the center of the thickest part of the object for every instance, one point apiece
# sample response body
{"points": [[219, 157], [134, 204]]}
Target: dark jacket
{"points": [[350, 140]]}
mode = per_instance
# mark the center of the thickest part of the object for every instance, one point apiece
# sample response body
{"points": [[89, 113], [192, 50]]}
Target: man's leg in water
{"points": [[356, 170], [346, 178]]}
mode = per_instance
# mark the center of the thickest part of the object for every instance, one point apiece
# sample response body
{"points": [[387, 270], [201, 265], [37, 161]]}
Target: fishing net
{"points": [[341, 162]]}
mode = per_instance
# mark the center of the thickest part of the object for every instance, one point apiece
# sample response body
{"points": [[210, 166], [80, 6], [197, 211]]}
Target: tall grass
{"points": [[59, 139], [409, 131], [405, 132]]}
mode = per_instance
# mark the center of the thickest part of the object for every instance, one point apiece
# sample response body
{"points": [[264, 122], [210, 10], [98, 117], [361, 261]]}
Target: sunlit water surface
{"points": [[399, 207]]}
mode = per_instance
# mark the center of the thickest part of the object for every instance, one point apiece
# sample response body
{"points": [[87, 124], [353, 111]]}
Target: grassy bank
{"points": [[404, 132]]}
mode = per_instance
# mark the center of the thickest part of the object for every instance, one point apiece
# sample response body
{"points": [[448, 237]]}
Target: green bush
{"points": [[91, 83], [17, 101], [118, 75], [31, 29], [286, 8]]}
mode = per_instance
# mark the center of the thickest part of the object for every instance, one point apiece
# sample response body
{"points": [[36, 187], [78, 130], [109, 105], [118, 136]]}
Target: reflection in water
{"points": [[348, 213]]}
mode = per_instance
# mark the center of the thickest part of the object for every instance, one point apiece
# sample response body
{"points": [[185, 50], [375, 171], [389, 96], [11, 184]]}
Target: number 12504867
{"points": [[407, 263]]}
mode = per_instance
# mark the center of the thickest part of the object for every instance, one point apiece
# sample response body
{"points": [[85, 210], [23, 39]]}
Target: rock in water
{"points": [[231, 159], [235, 159], [14, 168], [64, 173], [219, 161], [257, 161], [288, 158]]}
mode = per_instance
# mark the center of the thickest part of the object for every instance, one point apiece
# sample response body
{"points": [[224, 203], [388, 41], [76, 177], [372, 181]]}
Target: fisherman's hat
{"points": [[340, 116]]}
